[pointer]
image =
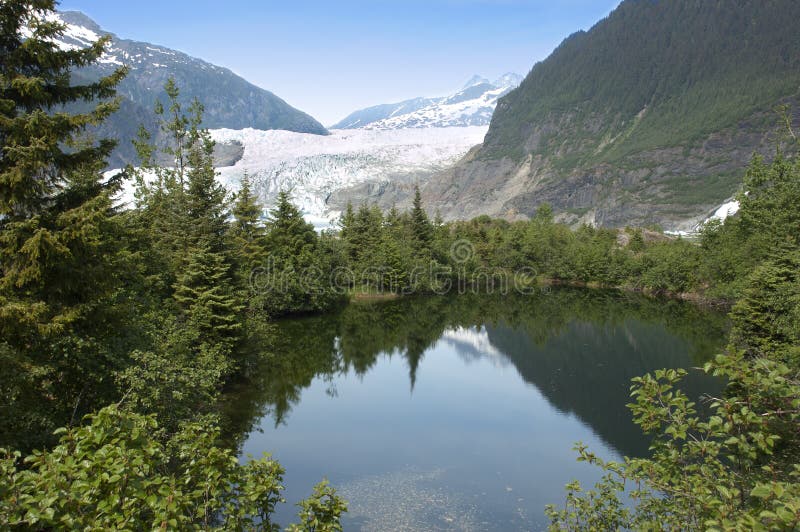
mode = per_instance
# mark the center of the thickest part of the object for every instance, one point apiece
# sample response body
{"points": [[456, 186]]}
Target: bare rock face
{"points": [[669, 187]]}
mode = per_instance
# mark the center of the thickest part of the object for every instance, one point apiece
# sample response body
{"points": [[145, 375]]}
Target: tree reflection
{"points": [[579, 348]]}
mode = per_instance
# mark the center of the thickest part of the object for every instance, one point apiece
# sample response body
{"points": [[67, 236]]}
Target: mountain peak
{"points": [[509, 79], [77, 18], [475, 80], [471, 105]]}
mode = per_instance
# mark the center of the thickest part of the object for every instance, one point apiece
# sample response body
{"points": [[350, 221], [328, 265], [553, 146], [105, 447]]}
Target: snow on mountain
{"points": [[81, 32], [312, 167], [230, 101], [475, 80], [472, 105]]}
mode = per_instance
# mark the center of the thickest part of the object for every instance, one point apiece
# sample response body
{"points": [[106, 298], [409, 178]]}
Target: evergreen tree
{"points": [[204, 291], [767, 318], [393, 221], [161, 194], [57, 247], [205, 196], [296, 276], [289, 235], [204, 285], [421, 225], [247, 233]]}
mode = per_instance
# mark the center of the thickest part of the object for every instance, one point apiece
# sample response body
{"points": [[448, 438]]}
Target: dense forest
{"points": [[687, 68], [123, 324]]}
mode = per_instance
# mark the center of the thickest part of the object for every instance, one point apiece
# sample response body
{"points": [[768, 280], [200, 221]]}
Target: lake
{"points": [[460, 413]]}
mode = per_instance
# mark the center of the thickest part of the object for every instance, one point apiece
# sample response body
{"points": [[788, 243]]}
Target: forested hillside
{"points": [[645, 118]]}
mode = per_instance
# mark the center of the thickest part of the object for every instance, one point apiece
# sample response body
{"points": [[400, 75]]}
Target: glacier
{"points": [[312, 167]]}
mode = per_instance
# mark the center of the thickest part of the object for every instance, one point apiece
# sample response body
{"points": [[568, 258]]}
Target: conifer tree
{"points": [[420, 223], [205, 196], [289, 235], [247, 233], [161, 189], [346, 227], [56, 248], [205, 293], [297, 279], [766, 319]]}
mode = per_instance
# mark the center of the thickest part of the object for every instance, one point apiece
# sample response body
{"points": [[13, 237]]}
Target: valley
{"points": [[565, 301]]}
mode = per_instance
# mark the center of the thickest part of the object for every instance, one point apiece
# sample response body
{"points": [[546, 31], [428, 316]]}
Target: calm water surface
{"points": [[460, 413]]}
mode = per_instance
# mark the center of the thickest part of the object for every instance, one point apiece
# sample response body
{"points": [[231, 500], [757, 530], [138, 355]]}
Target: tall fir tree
{"points": [[420, 223], [297, 275], [289, 235], [205, 196], [205, 293], [346, 227], [56, 221], [247, 232]]}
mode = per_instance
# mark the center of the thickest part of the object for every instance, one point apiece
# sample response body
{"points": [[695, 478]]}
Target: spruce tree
{"points": [[56, 220], [205, 196], [346, 227], [766, 319], [205, 293], [289, 235], [247, 233], [297, 277], [420, 223], [204, 286]]}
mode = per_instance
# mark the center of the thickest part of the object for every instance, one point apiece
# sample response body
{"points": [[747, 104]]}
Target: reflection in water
{"points": [[497, 389]]}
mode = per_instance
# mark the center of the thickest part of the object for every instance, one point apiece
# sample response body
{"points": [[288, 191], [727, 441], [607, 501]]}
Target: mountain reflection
{"points": [[579, 348]]}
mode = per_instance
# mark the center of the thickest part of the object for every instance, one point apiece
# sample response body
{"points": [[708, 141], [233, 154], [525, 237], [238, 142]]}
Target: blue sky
{"points": [[332, 57]]}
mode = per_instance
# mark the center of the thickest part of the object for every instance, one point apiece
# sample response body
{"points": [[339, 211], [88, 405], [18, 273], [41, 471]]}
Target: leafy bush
{"points": [[112, 474]]}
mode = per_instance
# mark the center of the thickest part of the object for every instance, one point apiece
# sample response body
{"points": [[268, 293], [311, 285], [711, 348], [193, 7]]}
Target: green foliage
{"points": [[59, 249], [111, 474], [246, 235], [203, 290], [732, 470], [767, 316], [96, 304], [735, 468], [321, 512], [420, 224], [294, 275], [651, 75], [671, 267]]}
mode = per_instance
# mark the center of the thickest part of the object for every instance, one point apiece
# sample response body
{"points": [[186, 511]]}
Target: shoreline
{"points": [[694, 297]]}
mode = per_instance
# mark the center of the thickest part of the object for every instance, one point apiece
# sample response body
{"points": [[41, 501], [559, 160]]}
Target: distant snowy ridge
{"points": [[472, 105]]}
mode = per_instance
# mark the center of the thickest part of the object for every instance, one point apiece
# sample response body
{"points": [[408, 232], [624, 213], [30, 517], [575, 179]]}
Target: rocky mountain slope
{"points": [[648, 118], [472, 105], [229, 100]]}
